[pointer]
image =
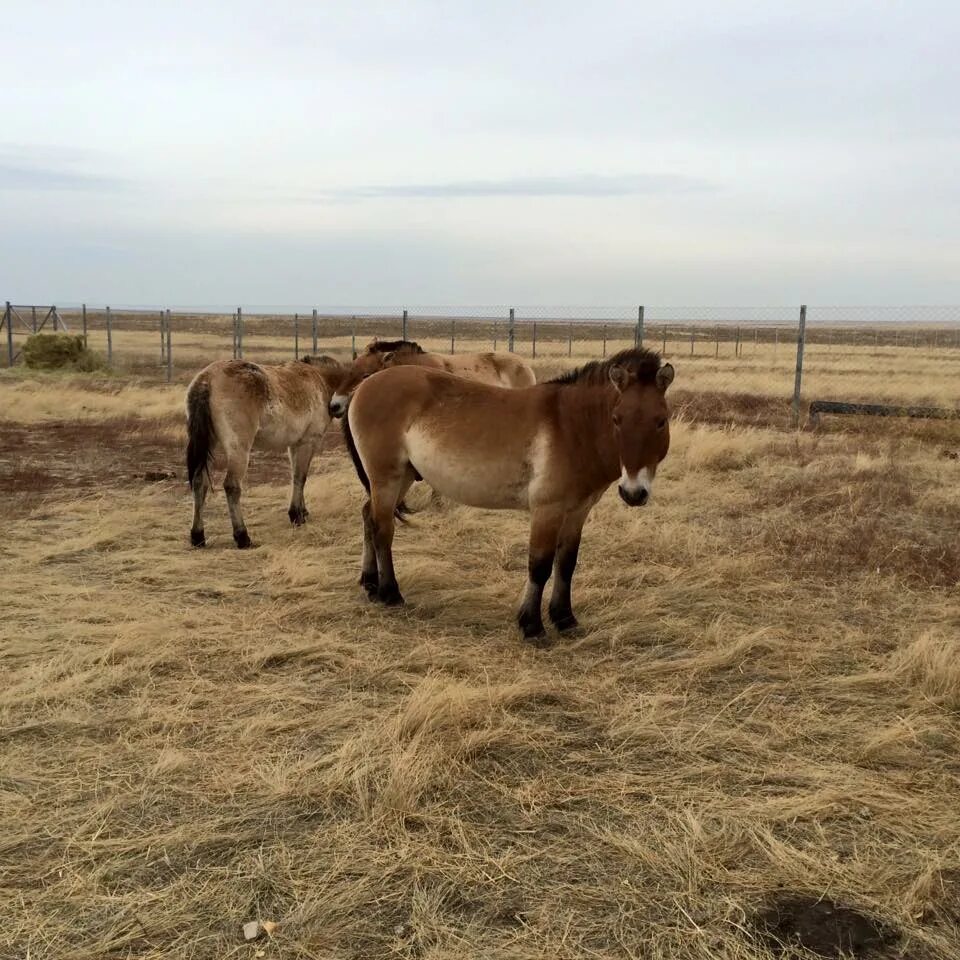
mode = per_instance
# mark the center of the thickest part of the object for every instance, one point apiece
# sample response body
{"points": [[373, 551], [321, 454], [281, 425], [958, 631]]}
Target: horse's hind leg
{"points": [[384, 498], [544, 530], [232, 487], [369, 572], [201, 487], [300, 458]]}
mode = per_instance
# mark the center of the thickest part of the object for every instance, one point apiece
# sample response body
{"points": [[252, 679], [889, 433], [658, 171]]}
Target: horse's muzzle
{"points": [[634, 498], [337, 408]]}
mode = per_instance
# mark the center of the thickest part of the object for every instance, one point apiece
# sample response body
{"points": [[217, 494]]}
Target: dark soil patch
{"points": [[823, 927], [66, 457]]}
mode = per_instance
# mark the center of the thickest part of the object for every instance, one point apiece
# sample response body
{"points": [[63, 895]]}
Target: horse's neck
{"points": [[586, 423]]}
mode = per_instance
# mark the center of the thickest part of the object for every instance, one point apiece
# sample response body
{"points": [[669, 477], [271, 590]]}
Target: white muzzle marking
{"points": [[641, 481], [338, 404], [635, 491]]}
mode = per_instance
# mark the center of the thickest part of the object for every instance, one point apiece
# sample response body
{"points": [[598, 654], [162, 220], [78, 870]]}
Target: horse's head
{"points": [[379, 354], [641, 425], [362, 367]]}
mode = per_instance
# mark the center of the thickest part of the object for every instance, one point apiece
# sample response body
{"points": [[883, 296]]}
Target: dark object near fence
{"points": [[879, 410]]}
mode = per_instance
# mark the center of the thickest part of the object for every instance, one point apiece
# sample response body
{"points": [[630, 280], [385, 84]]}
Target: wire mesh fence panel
{"points": [[744, 352], [891, 355], [748, 355]]}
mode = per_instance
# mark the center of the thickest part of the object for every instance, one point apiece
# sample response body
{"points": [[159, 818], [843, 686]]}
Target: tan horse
{"points": [[233, 405], [500, 370], [552, 449]]}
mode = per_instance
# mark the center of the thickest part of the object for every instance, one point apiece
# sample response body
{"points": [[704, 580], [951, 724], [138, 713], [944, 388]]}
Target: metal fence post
{"points": [[163, 341], [663, 352], [801, 336], [716, 349], [736, 345], [604, 339], [239, 333], [353, 336], [84, 318], [776, 342], [453, 335], [639, 335], [569, 339], [534, 340], [109, 339], [8, 320], [296, 336], [53, 314], [494, 336], [315, 331], [403, 328], [692, 335], [233, 334], [169, 349], [33, 315], [510, 332]]}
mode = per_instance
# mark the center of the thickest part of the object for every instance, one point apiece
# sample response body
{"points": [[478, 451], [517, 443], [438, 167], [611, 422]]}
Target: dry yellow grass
{"points": [[763, 700]]}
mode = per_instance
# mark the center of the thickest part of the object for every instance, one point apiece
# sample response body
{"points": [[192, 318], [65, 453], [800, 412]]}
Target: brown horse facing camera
{"points": [[552, 449], [233, 405], [496, 369]]}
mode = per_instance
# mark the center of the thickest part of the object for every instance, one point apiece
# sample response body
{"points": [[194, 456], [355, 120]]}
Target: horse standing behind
{"points": [[499, 370], [234, 404], [552, 449]]}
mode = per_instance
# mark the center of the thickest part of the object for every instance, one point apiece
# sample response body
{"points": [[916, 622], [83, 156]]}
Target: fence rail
{"points": [[850, 354]]}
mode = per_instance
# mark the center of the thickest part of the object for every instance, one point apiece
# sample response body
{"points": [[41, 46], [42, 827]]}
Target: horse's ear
{"points": [[665, 376], [620, 377], [387, 357]]}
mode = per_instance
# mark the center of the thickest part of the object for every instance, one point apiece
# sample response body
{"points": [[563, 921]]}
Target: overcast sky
{"points": [[683, 152]]}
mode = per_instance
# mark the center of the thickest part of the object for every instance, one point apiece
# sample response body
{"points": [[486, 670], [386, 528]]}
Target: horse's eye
{"points": [[616, 419], [662, 423]]}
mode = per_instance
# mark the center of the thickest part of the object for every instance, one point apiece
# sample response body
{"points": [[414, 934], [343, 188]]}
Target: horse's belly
{"points": [[475, 481], [280, 429]]}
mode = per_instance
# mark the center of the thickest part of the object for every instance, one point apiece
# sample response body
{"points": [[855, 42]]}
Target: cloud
{"points": [[582, 185], [24, 168]]}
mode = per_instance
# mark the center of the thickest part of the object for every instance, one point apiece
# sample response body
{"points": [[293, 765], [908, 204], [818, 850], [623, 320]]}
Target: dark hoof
{"points": [[370, 583], [297, 517], [532, 628], [390, 596], [564, 621], [243, 540], [539, 640], [197, 538]]}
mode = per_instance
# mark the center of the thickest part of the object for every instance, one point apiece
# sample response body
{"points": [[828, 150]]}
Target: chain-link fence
{"points": [[724, 356]]}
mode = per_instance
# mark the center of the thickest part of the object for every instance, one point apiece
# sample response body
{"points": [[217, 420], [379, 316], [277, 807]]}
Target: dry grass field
{"points": [[754, 734]]}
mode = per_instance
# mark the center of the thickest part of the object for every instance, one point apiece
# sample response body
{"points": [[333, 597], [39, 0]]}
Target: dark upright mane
{"points": [[642, 363], [387, 346]]}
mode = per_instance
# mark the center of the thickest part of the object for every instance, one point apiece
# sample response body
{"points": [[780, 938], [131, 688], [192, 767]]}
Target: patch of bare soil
{"points": [[823, 927], [62, 456]]}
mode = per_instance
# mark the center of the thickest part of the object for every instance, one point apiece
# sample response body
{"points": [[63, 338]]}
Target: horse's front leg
{"points": [[300, 457], [544, 530], [568, 547]]}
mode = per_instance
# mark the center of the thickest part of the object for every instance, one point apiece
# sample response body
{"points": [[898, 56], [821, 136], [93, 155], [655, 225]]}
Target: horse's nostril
{"points": [[634, 498]]}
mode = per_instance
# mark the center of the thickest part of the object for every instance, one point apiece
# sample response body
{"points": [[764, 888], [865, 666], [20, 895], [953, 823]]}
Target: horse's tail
{"points": [[354, 453], [402, 509], [200, 432]]}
